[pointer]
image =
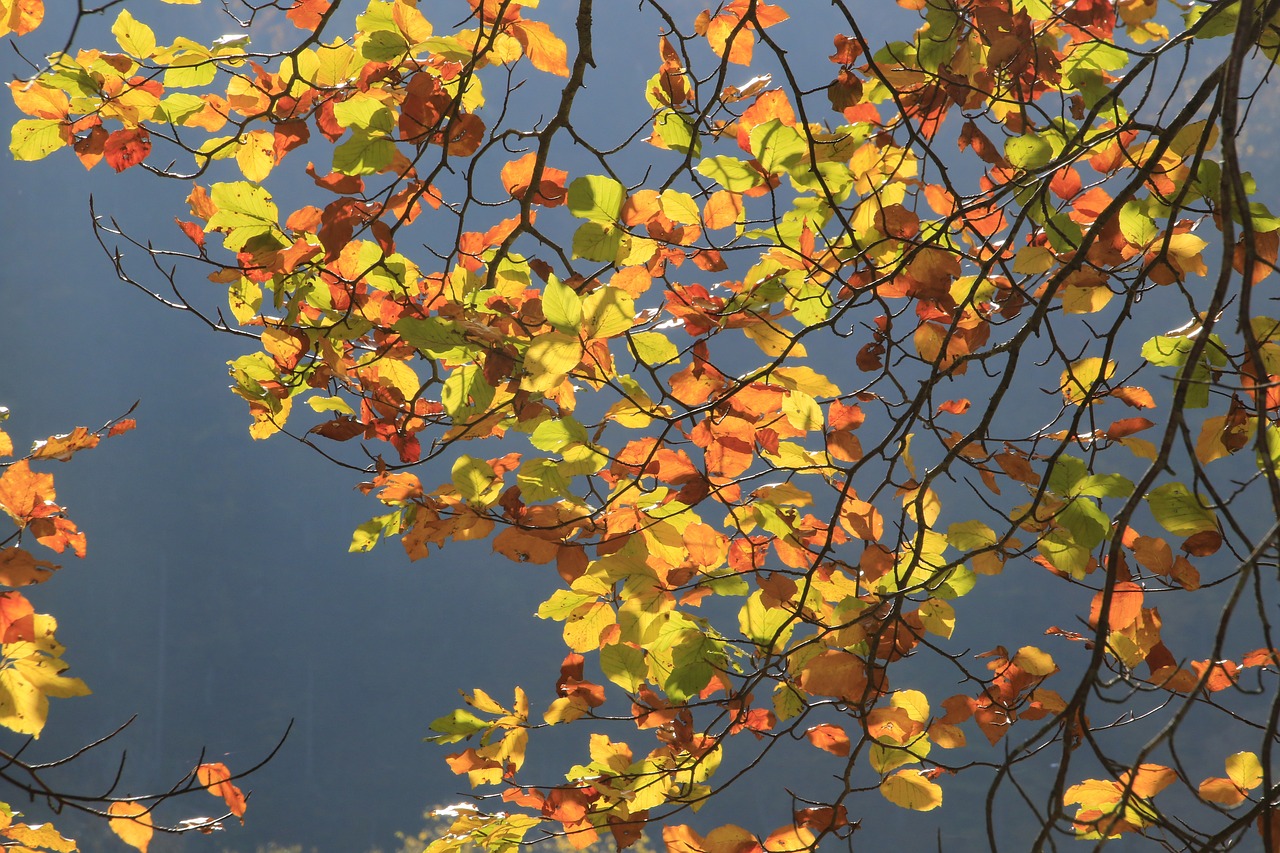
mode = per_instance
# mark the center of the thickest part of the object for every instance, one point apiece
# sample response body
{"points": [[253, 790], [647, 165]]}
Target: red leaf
{"points": [[955, 407], [126, 148], [89, 149], [847, 50], [288, 136], [193, 231]]}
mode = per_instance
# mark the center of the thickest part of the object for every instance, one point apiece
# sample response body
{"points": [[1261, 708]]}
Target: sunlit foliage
{"points": [[794, 381]]}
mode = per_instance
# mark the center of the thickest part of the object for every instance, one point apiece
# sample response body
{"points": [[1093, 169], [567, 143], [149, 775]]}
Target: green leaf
{"points": [[180, 106], [731, 173], [562, 603], [1064, 553], [654, 348], [475, 480], [960, 582], [970, 536], [554, 435], [1038, 10], [1091, 57], [35, 138], [562, 306], [367, 535], [363, 155], [1223, 22], [691, 666], [364, 113], [779, 147], [542, 480], [1103, 486], [241, 205], [1136, 226], [1179, 511], [599, 241], [624, 665], [432, 335], [759, 622], [330, 404], [596, 198], [190, 71], [459, 725], [607, 312], [1028, 152], [1167, 350], [676, 133]]}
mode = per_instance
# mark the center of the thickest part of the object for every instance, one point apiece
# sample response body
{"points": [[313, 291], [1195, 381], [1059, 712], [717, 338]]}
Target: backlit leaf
{"points": [[909, 789], [132, 822]]}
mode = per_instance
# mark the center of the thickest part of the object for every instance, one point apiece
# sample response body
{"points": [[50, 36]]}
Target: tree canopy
{"points": [[800, 358]]}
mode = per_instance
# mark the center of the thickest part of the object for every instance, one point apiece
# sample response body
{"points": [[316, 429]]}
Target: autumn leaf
{"points": [[216, 779], [132, 823]]}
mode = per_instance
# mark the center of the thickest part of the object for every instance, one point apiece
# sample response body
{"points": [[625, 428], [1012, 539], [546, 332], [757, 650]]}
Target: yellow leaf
{"points": [[804, 379], [1034, 662], [607, 313], [549, 359], [41, 835], [132, 822], [1244, 770], [134, 37], [911, 790], [1077, 381], [915, 703], [23, 708], [412, 25], [946, 735], [1085, 300], [256, 155], [773, 341], [566, 709], [583, 628]]}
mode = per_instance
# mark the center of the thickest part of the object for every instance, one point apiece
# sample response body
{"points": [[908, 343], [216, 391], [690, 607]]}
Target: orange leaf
{"points": [[306, 14], [544, 48], [723, 209], [1222, 791], [19, 568], [830, 738], [25, 494], [517, 174], [132, 822], [1150, 779], [835, 673], [63, 447], [21, 17], [216, 778], [17, 618], [58, 533], [1126, 607], [126, 148]]}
